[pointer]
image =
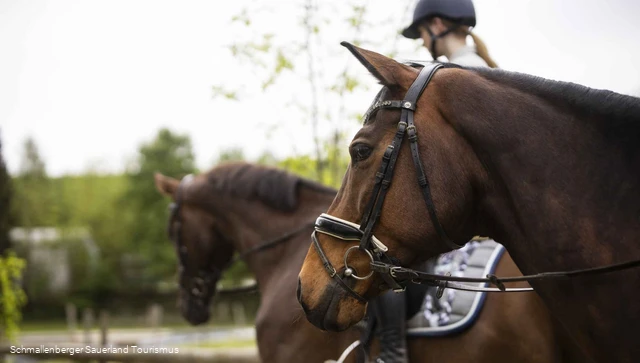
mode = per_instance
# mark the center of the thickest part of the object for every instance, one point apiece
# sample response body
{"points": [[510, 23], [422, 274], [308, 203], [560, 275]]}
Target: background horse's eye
{"points": [[359, 152]]}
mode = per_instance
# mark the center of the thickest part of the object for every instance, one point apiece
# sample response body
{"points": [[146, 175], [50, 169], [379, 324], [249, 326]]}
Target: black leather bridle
{"points": [[346, 230], [397, 277], [206, 277]]}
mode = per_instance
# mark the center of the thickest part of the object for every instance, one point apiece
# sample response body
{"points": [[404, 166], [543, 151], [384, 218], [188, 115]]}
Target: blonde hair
{"points": [[481, 47]]}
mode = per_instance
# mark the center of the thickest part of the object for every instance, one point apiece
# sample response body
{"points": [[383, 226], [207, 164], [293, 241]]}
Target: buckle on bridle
{"points": [[399, 272], [389, 274], [392, 271], [330, 269]]}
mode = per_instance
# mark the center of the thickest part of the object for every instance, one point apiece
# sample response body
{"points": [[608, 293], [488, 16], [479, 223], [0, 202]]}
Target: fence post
{"points": [[72, 320], [239, 317], [104, 327], [154, 316], [87, 323], [104, 330]]}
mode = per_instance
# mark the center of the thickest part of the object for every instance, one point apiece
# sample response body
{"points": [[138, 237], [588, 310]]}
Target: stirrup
{"points": [[346, 353]]}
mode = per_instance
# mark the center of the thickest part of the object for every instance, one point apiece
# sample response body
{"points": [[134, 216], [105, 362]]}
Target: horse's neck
{"points": [[559, 196], [556, 184], [261, 225]]}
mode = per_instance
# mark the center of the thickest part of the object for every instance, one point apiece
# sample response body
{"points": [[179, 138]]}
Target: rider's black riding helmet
{"points": [[459, 11]]}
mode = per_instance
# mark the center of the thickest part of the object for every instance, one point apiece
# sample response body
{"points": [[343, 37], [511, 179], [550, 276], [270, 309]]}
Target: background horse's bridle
{"points": [[206, 277], [397, 277]]}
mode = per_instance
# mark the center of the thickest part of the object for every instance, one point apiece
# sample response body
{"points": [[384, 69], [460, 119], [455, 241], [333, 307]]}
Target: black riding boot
{"points": [[390, 310]]}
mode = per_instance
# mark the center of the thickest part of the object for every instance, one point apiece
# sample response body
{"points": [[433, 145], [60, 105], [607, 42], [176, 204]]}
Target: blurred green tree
{"points": [[12, 297], [33, 195], [232, 154], [5, 205], [152, 257]]}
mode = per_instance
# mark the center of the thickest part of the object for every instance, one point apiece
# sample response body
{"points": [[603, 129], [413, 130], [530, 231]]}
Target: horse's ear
{"points": [[166, 185], [389, 72]]}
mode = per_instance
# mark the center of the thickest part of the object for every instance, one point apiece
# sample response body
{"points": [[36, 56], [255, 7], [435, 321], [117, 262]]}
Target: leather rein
{"points": [[397, 277]]}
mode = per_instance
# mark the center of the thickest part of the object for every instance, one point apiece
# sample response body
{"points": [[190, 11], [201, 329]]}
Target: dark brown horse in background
{"points": [[549, 169], [237, 207]]}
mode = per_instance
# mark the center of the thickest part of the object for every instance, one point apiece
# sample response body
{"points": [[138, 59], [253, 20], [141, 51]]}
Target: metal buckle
{"points": [[443, 284], [330, 269], [392, 271]]}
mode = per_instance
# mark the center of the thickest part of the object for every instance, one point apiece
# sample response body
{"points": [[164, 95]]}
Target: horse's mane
{"points": [[276, 188], [616, 115]]}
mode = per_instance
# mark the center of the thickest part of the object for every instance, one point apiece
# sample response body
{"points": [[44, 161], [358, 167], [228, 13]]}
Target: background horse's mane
{"points": [[617, 116], [276, 188]]}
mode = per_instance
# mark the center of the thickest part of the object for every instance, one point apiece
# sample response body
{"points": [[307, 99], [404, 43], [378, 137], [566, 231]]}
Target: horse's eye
{"points": [[360, 152]]}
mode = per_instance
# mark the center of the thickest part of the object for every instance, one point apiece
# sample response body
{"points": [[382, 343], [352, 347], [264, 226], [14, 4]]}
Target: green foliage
{"points": [[252, 51], [12, 297], [235, 274], [5, 205], [243, 17], [97, 287], [219, 91], [232, 154], [32, 164], [33, 204], [306, 166], [301, 55], [346, 84], [84, 200]]}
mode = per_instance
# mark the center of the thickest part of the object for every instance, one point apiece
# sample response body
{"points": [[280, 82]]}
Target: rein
{"points": [[261, 247], [272, 243], [444, 281], [397, 277]]}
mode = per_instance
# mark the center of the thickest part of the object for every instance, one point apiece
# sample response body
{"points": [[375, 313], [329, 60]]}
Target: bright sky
{"points": [[92, 79]]}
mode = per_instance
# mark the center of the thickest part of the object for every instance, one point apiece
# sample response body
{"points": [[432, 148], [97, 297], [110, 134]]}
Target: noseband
{"points": [[349, 231]]}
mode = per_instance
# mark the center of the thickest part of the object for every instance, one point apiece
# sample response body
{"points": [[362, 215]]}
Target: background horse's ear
{"points": [[389, 72], [166, 185]]}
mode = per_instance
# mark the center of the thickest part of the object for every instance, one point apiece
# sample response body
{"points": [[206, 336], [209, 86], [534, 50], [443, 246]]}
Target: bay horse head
{"points": [[198, 237], [403, 230]]}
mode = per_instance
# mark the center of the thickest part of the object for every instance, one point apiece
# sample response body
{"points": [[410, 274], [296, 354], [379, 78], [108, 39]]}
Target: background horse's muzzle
{"points": [[194, 309]]}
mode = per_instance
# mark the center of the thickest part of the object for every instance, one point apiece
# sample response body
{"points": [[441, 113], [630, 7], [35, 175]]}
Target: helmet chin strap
{"points": [[435, 37]]}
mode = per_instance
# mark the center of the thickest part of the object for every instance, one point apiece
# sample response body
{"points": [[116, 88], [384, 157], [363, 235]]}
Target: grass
{"points": [[224, 344], [42, 326], [58, 325]]}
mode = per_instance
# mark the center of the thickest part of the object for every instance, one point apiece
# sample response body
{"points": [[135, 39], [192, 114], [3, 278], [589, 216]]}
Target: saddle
{"points": [[456, 311]]}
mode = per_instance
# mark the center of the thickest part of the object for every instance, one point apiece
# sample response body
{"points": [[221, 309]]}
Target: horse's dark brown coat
{"points": [[243, 195], [550, 170]]}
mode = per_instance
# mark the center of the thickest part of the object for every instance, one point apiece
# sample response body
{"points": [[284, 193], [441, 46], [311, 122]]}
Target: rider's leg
{"points": [[390, 310]]}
